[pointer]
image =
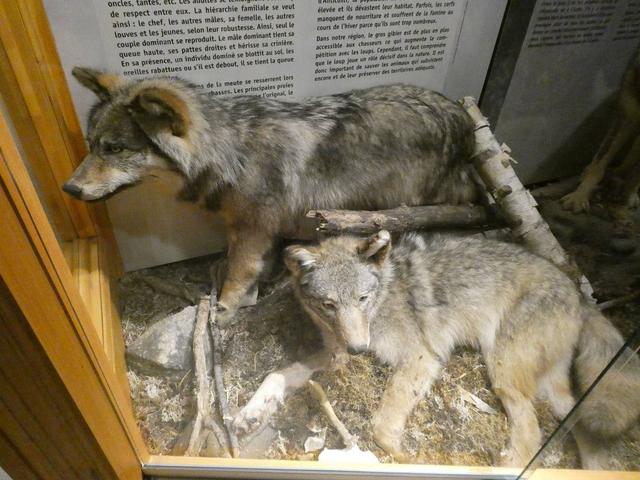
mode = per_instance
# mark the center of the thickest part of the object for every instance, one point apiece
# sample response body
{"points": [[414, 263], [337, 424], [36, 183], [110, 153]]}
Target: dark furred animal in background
{"points": [[624, 130], [264, 163]]}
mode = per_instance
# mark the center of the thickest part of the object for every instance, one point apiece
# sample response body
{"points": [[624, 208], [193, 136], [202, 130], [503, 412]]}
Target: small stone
{"points": [[166, 346], [313, 444]]}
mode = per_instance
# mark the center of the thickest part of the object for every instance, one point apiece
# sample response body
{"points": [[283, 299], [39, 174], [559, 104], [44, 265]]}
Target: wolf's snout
{"points": [[72, 189], [357, 350]]}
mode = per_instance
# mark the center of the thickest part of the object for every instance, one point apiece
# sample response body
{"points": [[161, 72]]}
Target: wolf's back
{"points": [[614, 404]]}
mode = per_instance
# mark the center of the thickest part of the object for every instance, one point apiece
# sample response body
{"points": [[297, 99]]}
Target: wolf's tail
{"points": [[614, 404]]}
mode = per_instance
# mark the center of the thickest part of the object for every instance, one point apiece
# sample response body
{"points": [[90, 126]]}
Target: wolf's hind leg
{"points": [[618, 134], [407, 386], [247, 250], [632, 176], [513, 376], [555, 386], [524, 436], [593, 453]]}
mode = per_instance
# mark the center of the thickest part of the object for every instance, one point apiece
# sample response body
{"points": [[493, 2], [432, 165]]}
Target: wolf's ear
{"points": [[298, 259], [376, 248], [158, 108], [100, 83]]}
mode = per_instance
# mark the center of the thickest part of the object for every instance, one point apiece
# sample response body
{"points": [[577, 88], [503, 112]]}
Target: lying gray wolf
{"points": [[264, 163], [411, 306], [624, 130]]}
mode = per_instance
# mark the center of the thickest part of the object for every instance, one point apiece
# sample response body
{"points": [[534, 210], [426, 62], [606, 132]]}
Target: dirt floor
{"points": [[446, 427]]}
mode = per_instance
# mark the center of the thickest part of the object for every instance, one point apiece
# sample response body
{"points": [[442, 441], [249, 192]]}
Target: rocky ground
{"points": [[448, 427]]}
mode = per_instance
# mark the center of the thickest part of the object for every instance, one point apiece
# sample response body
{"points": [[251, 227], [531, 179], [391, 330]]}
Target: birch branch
{"points": [[493, 163]]}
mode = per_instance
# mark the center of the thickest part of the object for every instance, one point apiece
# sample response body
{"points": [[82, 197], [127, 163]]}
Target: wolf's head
{"points": [[341, 283], [136, 128]]}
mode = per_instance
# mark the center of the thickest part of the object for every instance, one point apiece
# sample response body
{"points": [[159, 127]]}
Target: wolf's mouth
{"points": [[113, 193]]}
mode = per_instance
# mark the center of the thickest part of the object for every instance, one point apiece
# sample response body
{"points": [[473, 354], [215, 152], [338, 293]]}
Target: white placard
{"points": [[281, 48]]}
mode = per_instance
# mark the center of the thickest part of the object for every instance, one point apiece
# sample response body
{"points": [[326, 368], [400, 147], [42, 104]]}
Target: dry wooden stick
{"points": [[202, 380], [219, 433], [401, 219], [318, 392], [518, 206], [168, 288], [616, 302], [556, 189], [218, 374]]}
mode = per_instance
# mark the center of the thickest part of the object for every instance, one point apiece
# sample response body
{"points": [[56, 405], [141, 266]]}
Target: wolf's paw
{"points": [[224, 315], [510, 458], [262, 405], [393, 448], [389, 441], [576, 201], [633, 201]]}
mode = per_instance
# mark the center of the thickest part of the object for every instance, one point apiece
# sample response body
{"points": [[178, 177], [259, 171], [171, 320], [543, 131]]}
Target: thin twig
{"points": [[318, 392], [218, 373], [616, 302], [218, 431]]}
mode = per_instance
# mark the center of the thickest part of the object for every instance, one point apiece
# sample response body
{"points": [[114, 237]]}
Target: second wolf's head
{"points": [[137, 128], [341, 283]]}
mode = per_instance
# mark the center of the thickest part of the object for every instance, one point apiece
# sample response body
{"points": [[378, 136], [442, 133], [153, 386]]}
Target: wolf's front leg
{"points": [[275, 388], [409, 383], [247, 250]]}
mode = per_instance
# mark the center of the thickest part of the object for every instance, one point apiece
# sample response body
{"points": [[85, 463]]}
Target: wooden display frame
{"points": [[65, 408]]}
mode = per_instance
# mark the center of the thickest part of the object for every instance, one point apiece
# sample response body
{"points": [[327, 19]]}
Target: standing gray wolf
{"points": [[624, 129], [411, 306], [264, 163]]}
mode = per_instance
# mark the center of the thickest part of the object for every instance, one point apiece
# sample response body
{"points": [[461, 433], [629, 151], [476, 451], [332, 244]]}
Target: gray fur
{"points": [[264, 163], [412, 305]]}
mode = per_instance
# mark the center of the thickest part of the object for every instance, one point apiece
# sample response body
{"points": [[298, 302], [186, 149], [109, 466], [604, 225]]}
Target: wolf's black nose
{"points": [[355, 350], [72, 189]]}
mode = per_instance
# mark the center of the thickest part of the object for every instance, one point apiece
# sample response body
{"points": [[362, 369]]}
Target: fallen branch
{"points": [[401, 219], [493, 163], [203, 409], [616, 302], [556, 189], [318, 392], [169, 288], [219, 433], [218, 373]]}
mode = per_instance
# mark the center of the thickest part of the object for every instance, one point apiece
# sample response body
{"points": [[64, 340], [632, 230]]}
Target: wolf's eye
{"points": [[113, 148], [329, 305], [364, 298]]}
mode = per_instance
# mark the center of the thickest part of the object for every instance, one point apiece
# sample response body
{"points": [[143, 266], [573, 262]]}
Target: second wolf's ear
{"points": [[156, 109], [298, 259], [100, 83], [376, 248]]}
